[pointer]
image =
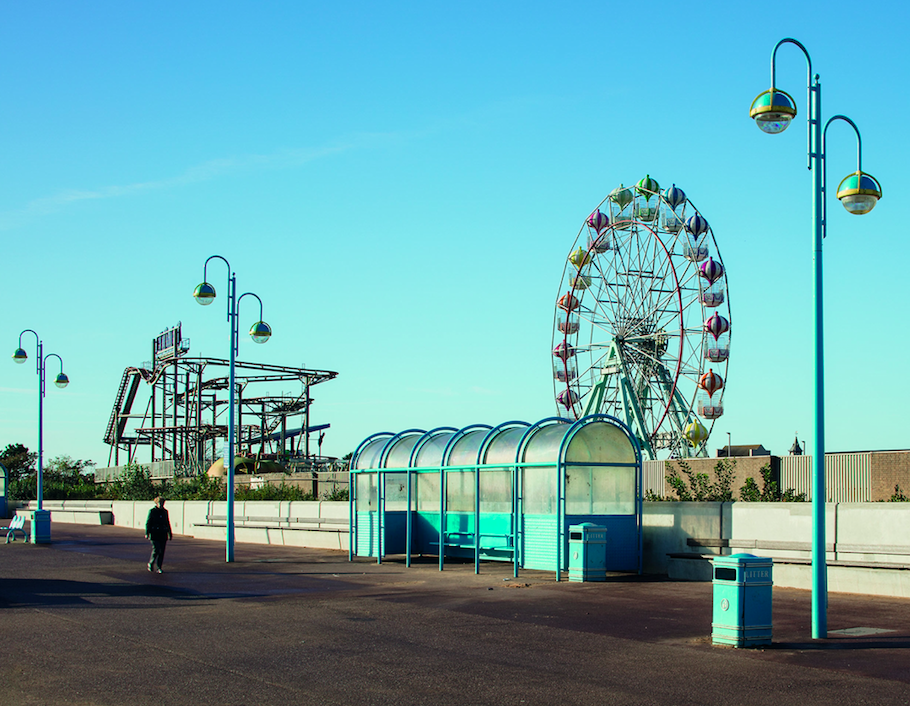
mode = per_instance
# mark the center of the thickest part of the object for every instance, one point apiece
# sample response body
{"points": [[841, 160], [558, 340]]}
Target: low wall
{"points": [[188, 517], [321, 524], [80, 512], [868, 549]]}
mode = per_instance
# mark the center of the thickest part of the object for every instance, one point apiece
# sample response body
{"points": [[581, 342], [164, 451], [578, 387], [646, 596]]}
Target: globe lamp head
{"points": [[859, 192], [204, 294], [260, 332], [772, 111]]}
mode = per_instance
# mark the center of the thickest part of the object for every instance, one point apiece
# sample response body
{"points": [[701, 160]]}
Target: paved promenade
{"points": [[83, 622]]}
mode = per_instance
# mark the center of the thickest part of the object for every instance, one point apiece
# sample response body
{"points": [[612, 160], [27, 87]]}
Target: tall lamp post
{"points": [[859, 192], [260, 333], [41, 520]]}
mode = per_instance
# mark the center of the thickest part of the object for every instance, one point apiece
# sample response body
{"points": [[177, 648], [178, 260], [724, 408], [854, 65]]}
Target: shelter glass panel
{"points": [[539, 491], [369, 456], [600, 442], [430, 453], [504, 446], [366, 492], [600, 490], [460, 491], [427, 486], [464, 452], [396, 492], [543, 447], [496, 491], [400, 454]]}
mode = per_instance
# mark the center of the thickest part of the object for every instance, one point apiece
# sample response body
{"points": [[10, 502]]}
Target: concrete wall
{"points": [[667, 526], [188, 517], [868, 546]]}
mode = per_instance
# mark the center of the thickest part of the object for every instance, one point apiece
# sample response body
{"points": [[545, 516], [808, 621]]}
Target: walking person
{"points": [[158, 531]]}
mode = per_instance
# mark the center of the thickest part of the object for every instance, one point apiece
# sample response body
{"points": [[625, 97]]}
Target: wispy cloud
{"points": [[207, 171], [282, 159]]}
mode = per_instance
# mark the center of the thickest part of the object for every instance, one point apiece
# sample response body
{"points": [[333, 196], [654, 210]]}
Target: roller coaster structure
{"points": [[186, 411]]}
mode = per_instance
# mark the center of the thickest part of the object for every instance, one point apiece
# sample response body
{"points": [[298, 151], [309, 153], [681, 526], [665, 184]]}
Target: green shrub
{"points": [[273, 492], [770, 491], [134, 483], [698, 486], [337, 494]]}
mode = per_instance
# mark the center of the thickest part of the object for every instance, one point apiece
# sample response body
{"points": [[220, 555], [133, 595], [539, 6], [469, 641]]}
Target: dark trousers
{"points": [[158, 546]]}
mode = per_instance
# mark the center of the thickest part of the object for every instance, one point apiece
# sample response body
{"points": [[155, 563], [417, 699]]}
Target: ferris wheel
{"points": [[642, 323]]}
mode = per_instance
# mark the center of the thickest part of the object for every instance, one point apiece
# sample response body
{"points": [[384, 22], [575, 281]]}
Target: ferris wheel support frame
{"points": [[631, 409]]}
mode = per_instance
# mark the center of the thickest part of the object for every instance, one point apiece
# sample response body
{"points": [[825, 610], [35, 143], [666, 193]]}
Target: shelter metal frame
{"points": [[372, 455]]}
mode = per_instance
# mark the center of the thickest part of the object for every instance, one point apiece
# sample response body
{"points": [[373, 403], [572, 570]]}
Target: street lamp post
{"points": [[859, 192], [260, 333], [41, 519]]}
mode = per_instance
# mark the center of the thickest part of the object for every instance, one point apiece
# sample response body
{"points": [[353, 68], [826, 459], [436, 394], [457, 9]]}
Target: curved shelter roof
{"points": [[597, 439]]}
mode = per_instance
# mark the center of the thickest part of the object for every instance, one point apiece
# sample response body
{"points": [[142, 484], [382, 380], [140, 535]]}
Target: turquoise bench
{"points": [[17, 524]]}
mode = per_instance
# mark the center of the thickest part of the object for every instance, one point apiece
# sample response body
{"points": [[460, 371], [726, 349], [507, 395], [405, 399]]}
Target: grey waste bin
{"points": [[742, 600], [587, 552]]}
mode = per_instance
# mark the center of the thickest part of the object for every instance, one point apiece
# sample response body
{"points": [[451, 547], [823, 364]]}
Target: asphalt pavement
{"points": [[83, 622]]}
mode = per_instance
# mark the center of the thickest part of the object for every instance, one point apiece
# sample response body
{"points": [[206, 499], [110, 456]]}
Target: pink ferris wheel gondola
{"points": [[711, 270], [598, 221], [717, 325]]}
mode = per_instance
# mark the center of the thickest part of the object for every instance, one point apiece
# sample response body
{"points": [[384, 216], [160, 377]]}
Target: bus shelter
{"points": [[503, 493]]}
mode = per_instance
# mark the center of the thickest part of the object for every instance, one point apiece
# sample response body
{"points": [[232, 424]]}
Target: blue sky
{"points": [[401, 183]]}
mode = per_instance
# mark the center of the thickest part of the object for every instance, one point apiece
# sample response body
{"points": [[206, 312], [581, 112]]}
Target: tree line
{"points": [[65, 478]]}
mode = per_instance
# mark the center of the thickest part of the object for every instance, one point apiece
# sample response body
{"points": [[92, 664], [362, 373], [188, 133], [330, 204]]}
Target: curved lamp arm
{"points": [[250, 294], [28, 330], [859, 164], [53, 355], [214, 257], [231, 280], [789, 40], [37, 345]]}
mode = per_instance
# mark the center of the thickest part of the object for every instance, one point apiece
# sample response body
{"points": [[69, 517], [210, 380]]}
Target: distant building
{"points": [[743, 450], [796, 449]]}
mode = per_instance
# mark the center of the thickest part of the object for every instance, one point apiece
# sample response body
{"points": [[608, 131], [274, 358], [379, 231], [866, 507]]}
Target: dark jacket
{"points": [[158, 524]]}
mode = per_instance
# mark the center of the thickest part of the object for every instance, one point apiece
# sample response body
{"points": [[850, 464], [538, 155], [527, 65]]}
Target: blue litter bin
{"points": [[587, 552], [742, 600]]}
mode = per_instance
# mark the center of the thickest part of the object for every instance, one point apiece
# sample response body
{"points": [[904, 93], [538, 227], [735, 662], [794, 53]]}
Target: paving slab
{"points": [[84, 622]]}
